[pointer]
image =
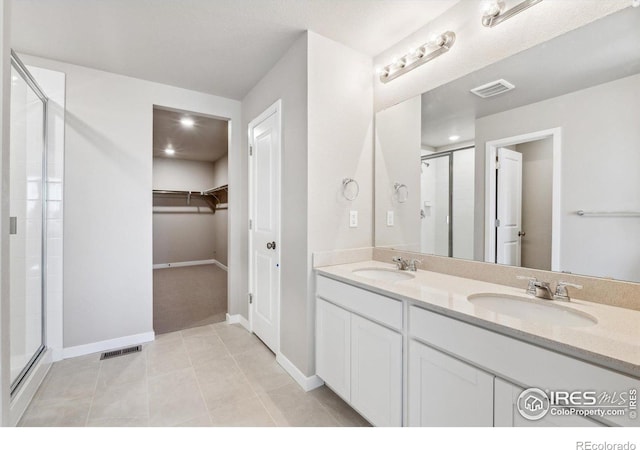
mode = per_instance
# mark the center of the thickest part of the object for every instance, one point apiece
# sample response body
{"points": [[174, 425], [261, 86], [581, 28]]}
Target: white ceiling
{"points": [[222, 47], [603, 51], [205, 141]]}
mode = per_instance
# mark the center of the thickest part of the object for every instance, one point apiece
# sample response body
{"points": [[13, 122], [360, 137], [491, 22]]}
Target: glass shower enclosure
{"points": [[27, 211]]}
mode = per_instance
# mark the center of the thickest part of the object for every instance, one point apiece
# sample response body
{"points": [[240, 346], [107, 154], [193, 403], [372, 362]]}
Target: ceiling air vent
{"points": [[493, 88]]}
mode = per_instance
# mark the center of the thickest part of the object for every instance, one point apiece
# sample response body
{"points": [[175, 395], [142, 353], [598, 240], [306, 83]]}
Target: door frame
{"points": [[275, 108], [491, 149]]}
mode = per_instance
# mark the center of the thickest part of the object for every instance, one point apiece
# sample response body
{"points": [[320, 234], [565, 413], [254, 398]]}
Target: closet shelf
{"points": [[212, 197]]}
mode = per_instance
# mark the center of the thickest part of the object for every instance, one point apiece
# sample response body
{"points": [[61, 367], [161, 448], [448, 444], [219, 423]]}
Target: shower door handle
{"points": [[13, 225]]}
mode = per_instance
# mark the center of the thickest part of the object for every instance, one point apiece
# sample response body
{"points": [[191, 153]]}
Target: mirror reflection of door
{"points": [[524, 204]]}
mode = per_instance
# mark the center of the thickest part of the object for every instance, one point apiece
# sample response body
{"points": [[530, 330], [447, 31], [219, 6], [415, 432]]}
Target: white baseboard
{"points": [[307, 383], [27, 391], [219, 264], [111, 344], [185, 264], [237, 318]]}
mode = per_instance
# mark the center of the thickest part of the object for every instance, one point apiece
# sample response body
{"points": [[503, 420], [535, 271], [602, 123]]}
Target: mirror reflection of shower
{"points": [[446, 202]]}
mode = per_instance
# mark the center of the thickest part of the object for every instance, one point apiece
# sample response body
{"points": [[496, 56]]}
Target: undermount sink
{"points": [[532, 310], [383, 274]]}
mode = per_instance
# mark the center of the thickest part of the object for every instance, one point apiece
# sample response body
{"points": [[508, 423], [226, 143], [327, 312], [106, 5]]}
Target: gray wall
{"points": [[221, 217], [108, 201], [537, 198], [397, 151], [287, 80], [600, 161], [187, 236]]}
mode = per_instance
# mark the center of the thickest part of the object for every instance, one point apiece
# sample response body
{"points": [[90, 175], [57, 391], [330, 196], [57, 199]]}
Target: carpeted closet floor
{"points": [[187, 297]]}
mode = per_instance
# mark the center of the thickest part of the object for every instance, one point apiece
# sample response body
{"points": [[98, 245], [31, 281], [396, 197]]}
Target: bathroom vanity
{"points": [[418, 349]]}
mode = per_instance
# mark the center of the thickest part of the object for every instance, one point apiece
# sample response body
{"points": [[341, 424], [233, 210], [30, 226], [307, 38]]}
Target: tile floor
{"points": [[187, 297], [214, 375]]}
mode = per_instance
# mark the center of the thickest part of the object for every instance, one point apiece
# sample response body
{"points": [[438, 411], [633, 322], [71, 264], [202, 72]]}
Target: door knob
{"points": [[521, 233], [271, 245]]}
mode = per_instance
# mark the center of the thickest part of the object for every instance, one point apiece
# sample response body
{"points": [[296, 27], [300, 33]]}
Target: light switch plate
{"points": [[390, 218], [353, 219]]}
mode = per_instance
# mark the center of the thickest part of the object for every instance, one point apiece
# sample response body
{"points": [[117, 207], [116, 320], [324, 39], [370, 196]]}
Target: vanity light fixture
{"points": [[169, 151], [494, 12], [187, 122], [437, 46]]}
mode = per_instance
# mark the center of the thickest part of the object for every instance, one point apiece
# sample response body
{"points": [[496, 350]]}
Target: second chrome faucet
{"points": [[542, 289], [406, 264]]}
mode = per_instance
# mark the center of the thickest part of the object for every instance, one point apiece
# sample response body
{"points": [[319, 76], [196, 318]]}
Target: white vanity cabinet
{"points": [[444, 391], [451, 372], [360, 359]]}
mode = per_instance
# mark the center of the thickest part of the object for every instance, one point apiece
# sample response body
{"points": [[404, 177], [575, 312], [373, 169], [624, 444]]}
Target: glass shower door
{"points": [[27, 222]]}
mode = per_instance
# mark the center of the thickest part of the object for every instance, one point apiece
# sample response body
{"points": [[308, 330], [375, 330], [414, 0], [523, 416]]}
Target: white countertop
{"points": [[614, 342]]}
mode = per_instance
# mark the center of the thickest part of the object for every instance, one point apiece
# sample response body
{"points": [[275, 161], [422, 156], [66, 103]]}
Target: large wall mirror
{"points": [[533, 161]]}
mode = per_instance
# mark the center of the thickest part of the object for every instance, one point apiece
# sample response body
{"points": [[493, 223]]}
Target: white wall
{"points": [[287, 80], [108, 201], [398, 151], [477, 46], [600, 160], [340, 145], [5, 90]]}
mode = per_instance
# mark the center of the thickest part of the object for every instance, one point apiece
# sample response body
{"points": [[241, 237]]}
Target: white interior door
{"points": [[509, 208], [264, 235]]}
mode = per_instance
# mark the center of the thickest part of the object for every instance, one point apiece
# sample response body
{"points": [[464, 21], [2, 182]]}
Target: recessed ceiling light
{"points": [[454, 138], [187, 122], [169, 151]]}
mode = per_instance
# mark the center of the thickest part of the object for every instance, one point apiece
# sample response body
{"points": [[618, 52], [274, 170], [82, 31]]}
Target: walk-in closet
{"points": [[190, 191]]}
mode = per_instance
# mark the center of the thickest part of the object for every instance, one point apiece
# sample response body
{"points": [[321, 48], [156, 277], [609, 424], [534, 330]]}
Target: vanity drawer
{"points": [[379, 308]]}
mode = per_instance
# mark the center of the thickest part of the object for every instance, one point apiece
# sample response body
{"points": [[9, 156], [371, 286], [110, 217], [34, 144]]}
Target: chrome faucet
{"points": [[562, 294], [401, 263], [542, 289], [406, 264]]}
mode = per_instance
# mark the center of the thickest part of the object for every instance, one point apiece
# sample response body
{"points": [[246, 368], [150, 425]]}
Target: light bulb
{"points": [[491, 8], [169, 151], [187, 122]]}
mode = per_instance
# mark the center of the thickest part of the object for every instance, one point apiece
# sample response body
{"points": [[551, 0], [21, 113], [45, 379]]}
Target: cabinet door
{"points": [[376, 372], [333, 347], [444, 391], [507, 414]]}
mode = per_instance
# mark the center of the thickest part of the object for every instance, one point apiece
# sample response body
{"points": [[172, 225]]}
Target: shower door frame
{"points": [[21, 69], [449, 154]]}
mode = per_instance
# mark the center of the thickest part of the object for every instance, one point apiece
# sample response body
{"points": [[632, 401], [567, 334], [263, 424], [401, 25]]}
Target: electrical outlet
{"points": [[353, 219], [389, 218]]}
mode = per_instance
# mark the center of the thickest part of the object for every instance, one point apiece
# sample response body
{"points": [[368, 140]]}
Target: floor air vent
{"points": [[121, 352], [493, 88]]}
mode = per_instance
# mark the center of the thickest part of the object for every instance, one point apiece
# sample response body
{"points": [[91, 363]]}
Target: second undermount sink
{"points": [[379, 274], [532, 310]]}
